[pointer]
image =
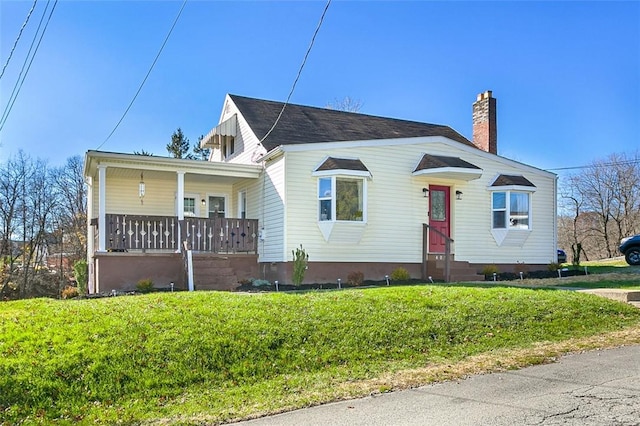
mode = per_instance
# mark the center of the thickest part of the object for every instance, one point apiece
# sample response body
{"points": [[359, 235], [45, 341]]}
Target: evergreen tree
{"points": [[200, 153], [179, 146]]}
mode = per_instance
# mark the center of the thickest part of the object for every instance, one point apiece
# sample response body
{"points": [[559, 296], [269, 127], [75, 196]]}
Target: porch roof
{"points": [[166, 164]]}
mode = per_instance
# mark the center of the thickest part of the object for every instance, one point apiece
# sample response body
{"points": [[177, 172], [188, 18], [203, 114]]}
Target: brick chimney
{"points": [[485, 128]]}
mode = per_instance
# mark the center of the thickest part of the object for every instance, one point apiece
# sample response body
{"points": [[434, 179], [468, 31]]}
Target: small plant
{"points": [[489, 270], [260, 283], [80, 271], [69, 292], [145, 285], [355, 278], [300, 259], [521, 267], [554, 266], [400, 274]]}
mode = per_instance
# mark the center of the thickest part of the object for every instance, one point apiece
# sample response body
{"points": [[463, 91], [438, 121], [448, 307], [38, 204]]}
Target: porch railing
{"points": [[166, 233], [222, 235]]}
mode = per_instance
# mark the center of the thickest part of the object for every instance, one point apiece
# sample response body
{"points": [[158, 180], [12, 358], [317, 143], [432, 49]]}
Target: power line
{"points": [[18, 38], [619, 163], [293, 87], [18, 85], [175, 21]]}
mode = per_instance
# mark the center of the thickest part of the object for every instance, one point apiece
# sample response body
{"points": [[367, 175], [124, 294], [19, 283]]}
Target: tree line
{"points": [[42, 225], [600, 205]]}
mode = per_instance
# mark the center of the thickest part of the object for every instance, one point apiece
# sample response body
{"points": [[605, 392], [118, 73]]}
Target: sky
{"points": [[566, 74]]}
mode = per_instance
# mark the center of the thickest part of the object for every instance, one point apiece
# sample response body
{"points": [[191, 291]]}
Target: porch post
{"points": [[91, 236], [180, 204], [102, 208], [180, 208]]}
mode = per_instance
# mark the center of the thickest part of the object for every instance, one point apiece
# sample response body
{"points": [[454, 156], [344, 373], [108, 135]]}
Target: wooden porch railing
{"points": [[425, 251], [166, 233], [222, 235]]}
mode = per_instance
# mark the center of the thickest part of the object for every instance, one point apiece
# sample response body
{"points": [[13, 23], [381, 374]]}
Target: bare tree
{"points": [[603, 204], [71, 215], [347, 104]]}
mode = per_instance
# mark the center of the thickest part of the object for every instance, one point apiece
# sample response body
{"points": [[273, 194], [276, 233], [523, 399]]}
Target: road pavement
{"points": [[592, 388]]}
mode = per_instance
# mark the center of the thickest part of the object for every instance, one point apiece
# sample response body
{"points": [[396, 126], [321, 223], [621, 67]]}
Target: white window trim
{"points": [[242, 195], [196, 198], [507, 210], [334, 194], [217, 194]]}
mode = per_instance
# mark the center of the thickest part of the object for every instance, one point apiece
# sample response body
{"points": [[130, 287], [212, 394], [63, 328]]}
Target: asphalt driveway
{"points": [[591, 388]]}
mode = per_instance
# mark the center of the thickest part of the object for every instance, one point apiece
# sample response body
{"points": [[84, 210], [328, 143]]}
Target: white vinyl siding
{"points": [[273, 212], [397, 208]]}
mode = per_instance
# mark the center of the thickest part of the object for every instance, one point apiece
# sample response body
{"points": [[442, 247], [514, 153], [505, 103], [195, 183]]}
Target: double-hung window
{"points": [[510, 209], [341, 198]]}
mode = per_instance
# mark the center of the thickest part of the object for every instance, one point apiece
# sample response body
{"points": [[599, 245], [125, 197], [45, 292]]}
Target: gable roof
{"points": [[304, 124]]}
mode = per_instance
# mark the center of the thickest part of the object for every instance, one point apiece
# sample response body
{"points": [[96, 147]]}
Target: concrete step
{"points": [[620, 295]]}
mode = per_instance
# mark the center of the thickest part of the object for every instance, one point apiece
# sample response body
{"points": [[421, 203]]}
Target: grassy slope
{"points": [[217, 356]]}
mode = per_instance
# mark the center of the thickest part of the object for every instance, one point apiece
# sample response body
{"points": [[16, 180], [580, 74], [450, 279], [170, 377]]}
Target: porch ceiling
{"points": [[130, 165]]}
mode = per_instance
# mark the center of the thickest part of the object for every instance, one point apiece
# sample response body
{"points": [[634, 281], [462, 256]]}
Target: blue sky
{"points": [[566, 74]]}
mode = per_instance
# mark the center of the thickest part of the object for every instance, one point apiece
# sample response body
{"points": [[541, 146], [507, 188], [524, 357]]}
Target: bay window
{"points": [[341, 199], [510, 210]]}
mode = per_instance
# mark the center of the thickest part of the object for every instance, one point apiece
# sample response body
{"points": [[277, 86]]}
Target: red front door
{"points": [[438, 217]]}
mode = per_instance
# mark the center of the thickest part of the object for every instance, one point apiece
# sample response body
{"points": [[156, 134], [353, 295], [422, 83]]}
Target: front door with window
{"points": [[439, 209]]}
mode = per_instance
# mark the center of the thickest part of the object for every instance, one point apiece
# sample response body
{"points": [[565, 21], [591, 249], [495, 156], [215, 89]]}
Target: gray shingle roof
{"points": [[333, 163], [508, 180], [438, 161], [304, 124]]}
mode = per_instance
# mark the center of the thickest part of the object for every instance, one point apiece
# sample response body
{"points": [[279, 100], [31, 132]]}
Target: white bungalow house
{"points": [[358, 192]]}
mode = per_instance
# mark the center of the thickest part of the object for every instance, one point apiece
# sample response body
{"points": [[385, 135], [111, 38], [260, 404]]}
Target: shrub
{"points": [[260, 283], [400, 274], [355, 278], [554, 266], [145, 285], [521, 267], [69, 292], [489, 270], [300, 259], [80, 271]]}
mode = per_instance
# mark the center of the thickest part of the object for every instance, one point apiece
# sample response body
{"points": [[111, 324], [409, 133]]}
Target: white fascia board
{"points": [[167, 164], [512, 188], [463, 173], [458, 146], [342, 172]]}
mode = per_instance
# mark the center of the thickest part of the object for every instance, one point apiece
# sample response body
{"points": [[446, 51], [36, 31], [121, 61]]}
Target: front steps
{"points": [[213, 272], [460, 271]]}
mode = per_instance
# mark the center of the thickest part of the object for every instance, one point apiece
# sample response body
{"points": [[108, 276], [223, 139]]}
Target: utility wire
{"points": [[175, 21], [293, 87], [619, 163], [18, 38], [18, 85]]}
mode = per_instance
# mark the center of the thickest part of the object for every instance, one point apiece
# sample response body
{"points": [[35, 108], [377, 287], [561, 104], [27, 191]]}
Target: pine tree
{"points": [[179, 146]]}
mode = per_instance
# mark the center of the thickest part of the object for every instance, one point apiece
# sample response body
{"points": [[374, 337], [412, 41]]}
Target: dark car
{"points": [[562, 256], [630, 247]]}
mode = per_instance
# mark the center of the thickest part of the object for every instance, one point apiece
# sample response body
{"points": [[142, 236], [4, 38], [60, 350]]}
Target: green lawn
{"points": [[206, 357]]}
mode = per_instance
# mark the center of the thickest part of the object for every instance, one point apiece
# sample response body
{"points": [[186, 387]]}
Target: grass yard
{"points": [[208, 357]]}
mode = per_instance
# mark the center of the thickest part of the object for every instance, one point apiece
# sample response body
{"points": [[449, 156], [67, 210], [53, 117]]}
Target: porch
{"points": [[153, 247], [141, 233]]}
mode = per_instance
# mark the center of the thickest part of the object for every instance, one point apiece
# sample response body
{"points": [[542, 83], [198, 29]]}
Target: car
{"points": [[562, 256], [630, 247]]}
